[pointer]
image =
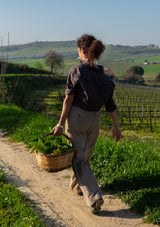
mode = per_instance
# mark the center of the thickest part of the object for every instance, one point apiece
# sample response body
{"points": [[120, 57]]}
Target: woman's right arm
{"points": [[116, 130], [67, 103]]}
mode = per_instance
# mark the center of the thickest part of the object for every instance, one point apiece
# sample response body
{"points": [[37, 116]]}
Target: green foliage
{"points": [[1, 176], [137, 107], [23, 125], [53, 60], [130, 77], [136, 70], [39, 65], [23, 88], [15, 209], [68, 63], [30, 128], [130, 169], [31, 62], [22, 69], [134, 75], [51, 145], [4, 87]]}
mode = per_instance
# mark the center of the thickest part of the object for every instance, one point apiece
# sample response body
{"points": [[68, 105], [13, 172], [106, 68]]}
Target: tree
{"points": [[53, 60], [136, 70], [130, 77]]}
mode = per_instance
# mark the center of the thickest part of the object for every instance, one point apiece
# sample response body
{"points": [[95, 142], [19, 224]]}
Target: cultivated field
{"points": [[138, 106]]}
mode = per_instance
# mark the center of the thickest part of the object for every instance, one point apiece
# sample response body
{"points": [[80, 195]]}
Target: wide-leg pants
{"points": [[82, 127]]}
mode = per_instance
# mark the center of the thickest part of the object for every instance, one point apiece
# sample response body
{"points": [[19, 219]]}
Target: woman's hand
{"points": [[57, 130], [117, 133], [116, 130]]}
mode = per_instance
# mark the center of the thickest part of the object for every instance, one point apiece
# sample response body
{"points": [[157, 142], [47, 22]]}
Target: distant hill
{"points": [[39, 49], [69, 50], [129, 53]]}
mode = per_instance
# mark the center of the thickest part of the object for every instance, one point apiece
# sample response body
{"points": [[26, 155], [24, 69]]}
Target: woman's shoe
{"points": [[96, 207]]}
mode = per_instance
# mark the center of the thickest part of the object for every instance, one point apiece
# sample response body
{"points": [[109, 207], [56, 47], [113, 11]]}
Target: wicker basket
{"points": [[54, 163]]}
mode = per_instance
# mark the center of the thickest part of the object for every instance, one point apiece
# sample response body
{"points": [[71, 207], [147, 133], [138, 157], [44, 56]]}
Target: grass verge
{"points": [[20, 125], [24, 126], [132, 171], [15, 209]]}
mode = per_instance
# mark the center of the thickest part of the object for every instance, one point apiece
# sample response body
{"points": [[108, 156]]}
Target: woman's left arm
{"points": [[67, 103], [117, 130]]}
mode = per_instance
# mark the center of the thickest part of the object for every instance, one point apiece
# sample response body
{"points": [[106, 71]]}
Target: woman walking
{"points": [[87, 90]]}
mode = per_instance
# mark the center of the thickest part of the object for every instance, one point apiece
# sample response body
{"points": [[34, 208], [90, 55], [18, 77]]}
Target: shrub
{"points": [[136, 70], [130, 77]]}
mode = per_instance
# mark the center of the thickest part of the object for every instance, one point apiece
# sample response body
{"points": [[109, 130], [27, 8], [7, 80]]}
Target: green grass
{"points": [[20, 125], [28, 91], [132, 171], [15, 209], [39, 49], [68, 63], [149, 59], [148, 69], [69, 50], [138, 107], [150, 77], [23, 125], [119, 67], [32, 62], [129, 168]]}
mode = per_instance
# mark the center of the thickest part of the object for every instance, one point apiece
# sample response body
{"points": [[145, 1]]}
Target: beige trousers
{"points": [[82, 127]]}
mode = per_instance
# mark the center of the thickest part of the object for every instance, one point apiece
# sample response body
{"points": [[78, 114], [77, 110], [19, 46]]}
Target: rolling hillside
{"points": [[68, 49], [116, 57], [37, 50]]}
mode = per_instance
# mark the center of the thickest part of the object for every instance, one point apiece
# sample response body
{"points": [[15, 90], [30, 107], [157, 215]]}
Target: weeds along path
{"points": [[52, 196]]}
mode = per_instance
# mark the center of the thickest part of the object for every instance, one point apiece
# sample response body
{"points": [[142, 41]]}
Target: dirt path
{"points": [[53, 197]]}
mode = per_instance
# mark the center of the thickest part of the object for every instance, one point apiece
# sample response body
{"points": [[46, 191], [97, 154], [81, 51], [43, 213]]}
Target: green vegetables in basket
{"points": [[51, 145]]}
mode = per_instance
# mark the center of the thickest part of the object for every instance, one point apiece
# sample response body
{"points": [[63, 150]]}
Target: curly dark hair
{"points": [[93, 48]]}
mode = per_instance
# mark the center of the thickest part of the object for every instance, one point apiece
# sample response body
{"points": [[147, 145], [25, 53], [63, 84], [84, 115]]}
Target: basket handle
{"points": [[51, 133]]}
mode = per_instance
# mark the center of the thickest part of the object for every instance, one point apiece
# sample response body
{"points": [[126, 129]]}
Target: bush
{"points": [[136, 70], [130, 77]]}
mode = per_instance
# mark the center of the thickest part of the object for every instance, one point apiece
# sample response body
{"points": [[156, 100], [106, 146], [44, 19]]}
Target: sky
{"points": [[124, 22]]}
